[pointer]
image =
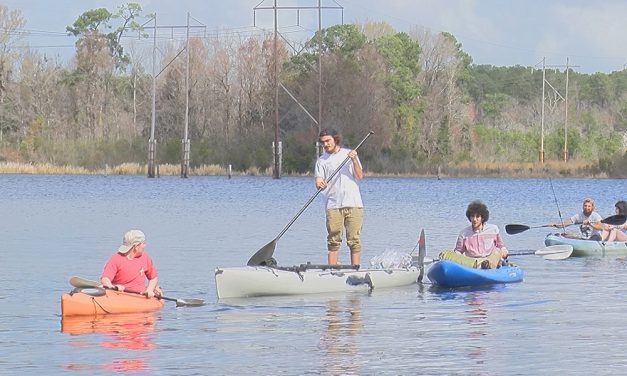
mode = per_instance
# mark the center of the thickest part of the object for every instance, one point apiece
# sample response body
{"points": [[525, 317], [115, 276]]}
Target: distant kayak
{"points": [[585, 247], [450, 274], [100, 301]]}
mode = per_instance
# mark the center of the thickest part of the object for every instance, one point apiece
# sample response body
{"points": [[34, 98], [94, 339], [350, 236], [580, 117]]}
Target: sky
{"points": [[592, 35]]}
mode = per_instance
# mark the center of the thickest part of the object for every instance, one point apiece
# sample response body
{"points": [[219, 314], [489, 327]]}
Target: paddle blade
{"points": [[264, 255], [191, 302], [515, 229], [84, 282], [555, 252], [615, 220], [422, 252]]}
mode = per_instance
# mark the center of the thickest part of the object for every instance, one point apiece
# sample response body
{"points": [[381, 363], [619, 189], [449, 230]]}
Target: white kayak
{"points": [[251, 281]]}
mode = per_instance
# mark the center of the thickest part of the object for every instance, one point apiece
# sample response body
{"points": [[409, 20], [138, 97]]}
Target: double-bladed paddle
{"points": [[614, 220], [264, 255], [552, 252], [87, 283]]}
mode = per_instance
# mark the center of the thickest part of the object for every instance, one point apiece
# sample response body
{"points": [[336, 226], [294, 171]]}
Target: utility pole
{"points": [[152, 143], [277, 143], [546, 82], [566, 118], [185, 142], [541, 157]]}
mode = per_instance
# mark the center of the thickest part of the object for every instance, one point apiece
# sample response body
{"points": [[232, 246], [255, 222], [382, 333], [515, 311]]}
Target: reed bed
{"points": [[463, 169]]}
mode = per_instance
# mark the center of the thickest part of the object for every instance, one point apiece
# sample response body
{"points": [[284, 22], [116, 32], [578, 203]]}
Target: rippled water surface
{"points": [[567, 317]]}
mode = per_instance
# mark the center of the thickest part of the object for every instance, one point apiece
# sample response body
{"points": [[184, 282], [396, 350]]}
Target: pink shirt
{"points": [[481, 243], [129, 273]]}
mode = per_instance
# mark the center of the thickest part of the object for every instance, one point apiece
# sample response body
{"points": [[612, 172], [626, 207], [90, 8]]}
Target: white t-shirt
{"points": [[343, 190], [586, 230]]}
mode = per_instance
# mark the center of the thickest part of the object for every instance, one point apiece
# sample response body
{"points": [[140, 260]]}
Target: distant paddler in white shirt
{"points": [[344, 208], [588, 219]]}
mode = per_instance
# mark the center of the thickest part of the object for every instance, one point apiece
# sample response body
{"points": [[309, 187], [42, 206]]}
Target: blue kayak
{"points": [[450, 274]]}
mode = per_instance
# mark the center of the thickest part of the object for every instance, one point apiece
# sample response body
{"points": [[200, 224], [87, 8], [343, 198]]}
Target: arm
{"points": [[459, 244], [320, 183], [319, 174], [501, 245], [358, 173], [150, 290]]}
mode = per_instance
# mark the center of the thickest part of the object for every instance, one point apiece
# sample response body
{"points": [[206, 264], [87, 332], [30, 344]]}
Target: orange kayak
{"points": [[99, 302]]}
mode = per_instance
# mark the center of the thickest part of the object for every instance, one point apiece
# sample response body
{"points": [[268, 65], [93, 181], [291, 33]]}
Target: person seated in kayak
{"points": [[616, 232], [479, 245], [130, 265], [589, 221]]}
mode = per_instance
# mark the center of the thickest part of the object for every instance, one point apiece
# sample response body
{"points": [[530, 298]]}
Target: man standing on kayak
{"points": [[479, 245], [130, 265], [344, 208], [588, 219]]}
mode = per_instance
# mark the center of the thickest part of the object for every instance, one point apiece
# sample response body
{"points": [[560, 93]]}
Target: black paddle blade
{"points": [[264, 255], [516, 229], [615, 220]]}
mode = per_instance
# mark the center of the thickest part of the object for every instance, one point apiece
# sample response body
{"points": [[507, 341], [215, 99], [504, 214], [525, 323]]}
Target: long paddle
{"points": [[264, 255], [512, 229], [552, 252], [87, 283]]}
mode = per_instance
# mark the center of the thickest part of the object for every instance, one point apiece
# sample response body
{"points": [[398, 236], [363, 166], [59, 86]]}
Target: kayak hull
{"points": [[253, 281], [81, 302], [584, 247], [450, 274]]}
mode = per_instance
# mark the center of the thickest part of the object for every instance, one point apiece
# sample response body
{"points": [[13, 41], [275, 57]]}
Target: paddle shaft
{"points": [[559, 212], [513, 229], [86, 283], [337, 170]]}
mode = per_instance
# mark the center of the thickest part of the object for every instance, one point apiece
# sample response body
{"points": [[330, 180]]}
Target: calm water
{"points": [[567, 317]]}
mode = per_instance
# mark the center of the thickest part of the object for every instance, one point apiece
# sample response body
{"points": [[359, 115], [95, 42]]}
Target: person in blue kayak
{"points": [[589, 221], [343, 204], [616, 232], [479, 245], [130, 266]]}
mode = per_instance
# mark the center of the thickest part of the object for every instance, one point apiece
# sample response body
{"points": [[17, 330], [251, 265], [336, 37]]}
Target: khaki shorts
{"points": [[350, 218]]}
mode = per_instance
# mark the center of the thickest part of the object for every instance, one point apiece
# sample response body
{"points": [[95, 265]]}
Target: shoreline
{"points": [[571, 169]]}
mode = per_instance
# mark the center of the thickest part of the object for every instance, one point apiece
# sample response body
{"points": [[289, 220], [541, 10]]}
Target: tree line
{"points": [[428, 104]]}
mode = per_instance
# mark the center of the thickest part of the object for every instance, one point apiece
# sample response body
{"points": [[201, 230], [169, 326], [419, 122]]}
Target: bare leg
{"points": [[355, 257], [332, 257], [612, 235]]}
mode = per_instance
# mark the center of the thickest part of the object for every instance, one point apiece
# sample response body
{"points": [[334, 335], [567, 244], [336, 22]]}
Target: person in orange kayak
{"points": [[130, 265]]}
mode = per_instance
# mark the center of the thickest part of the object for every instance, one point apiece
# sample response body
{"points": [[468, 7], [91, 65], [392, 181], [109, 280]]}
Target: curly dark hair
{"points": [[622, 207], [478, 208]]}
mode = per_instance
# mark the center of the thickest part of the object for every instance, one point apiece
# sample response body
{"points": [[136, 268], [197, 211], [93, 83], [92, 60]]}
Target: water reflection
{"points": [[125, 331], [340, 339], [478, 326]]}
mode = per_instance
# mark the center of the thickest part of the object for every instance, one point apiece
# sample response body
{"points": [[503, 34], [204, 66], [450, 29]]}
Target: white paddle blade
{"points": [[555, 252]]}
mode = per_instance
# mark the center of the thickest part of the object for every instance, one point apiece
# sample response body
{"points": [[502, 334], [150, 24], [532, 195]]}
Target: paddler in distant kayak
{"points": [[588, 219], [128, 268], [479, 245]]}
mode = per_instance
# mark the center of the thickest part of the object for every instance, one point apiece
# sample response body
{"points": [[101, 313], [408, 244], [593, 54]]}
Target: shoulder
{"points": [[467, 231], [490, 228]]}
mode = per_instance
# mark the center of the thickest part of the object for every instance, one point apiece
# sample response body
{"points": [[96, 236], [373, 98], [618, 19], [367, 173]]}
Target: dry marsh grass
{"points": [[124, 169], [573, 168]]}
